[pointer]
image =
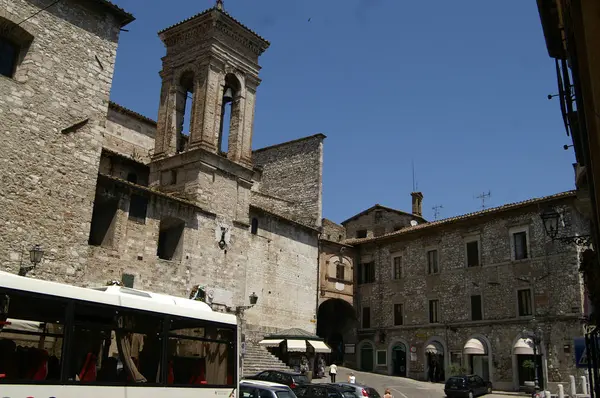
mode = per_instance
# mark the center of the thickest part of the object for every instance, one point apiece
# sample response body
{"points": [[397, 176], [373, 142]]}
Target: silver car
{"points": [[360, 390]]}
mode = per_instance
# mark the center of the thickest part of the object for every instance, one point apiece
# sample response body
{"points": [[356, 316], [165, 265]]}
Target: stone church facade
{"points": [[111, 194]]}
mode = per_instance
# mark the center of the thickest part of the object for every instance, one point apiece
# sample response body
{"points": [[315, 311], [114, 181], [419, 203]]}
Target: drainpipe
{"points": [[319, 247]]}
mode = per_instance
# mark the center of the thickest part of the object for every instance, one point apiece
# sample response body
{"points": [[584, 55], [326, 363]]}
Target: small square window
{"points": [[381, 357], [361, 233], [366, 273], [340, 271]]}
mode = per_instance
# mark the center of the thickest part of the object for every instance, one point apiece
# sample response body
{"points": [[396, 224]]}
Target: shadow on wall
{"points": [[284, 228]]}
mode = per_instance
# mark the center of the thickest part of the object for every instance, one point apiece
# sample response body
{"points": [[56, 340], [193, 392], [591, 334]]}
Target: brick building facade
{"points": [[111, 194], [436, 297]]}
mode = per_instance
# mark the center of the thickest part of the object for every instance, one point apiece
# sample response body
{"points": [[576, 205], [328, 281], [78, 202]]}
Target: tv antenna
{"points": [[436, 211], [483, 198]]}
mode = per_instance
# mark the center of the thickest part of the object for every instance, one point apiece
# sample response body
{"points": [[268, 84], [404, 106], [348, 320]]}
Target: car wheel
{"points": [[470, 394]]}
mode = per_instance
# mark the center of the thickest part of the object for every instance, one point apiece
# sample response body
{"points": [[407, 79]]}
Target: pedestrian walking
{"points": [[332, 371], [352, 378], [388, 394]]}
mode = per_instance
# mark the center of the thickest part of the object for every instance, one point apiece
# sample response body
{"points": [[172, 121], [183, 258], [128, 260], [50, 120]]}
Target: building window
{"points": [[170, 239], [434, 307], [366, 273], [476, 309], [132, 177], [366, 317], [104, 218], [397, 267], [520, 245], [432, 262], [525, 302], [127, 280], [473, 254], [398, 314], [254, 226], [361, 233], [14, 44], [339, 271], [9, 53], [138, 207], [381, 357]]}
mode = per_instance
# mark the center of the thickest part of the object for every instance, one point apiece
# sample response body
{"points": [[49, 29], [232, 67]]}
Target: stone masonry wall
{"points": [[332, 231], [48, 178], [129, 136], [388, 221], [293, 171], [557, 294]]}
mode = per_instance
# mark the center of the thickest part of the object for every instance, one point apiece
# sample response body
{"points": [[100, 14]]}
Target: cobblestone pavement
{"points": [[401, 387]]}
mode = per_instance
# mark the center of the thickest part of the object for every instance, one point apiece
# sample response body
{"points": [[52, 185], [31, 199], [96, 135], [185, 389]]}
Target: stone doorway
{"points": [[335, 321]]}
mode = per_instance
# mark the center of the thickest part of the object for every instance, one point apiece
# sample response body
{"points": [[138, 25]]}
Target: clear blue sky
{"points": [[459, 87]]}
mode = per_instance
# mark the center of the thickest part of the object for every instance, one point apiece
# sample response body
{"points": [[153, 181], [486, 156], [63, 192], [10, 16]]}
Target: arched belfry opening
{"points": [[230, 112], [183, 109]]}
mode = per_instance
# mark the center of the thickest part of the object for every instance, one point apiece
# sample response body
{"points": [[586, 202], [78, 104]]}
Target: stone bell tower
{"points": [[211, 70]]}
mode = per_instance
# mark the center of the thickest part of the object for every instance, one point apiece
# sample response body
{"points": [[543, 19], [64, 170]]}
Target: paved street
{"points": [[401, 387]]}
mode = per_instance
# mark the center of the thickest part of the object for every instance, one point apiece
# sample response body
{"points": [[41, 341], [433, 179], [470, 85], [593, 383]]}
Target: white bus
{"points": [[64, 341]]}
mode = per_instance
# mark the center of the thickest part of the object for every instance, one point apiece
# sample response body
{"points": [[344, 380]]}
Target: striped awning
{"points": [[319, 346], [296, 345], [270, 342]]}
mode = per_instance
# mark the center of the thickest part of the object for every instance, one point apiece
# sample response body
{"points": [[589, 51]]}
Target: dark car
{"points": [[264, 389], [290, 379], [467, 386], [361, 390], [324, 391]]}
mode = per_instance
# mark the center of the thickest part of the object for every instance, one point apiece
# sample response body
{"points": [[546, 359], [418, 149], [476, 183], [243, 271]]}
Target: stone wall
{"points": [[332, 231], [556, 291], [48, 173], [293, 171], [129, 135], [378, 221]]}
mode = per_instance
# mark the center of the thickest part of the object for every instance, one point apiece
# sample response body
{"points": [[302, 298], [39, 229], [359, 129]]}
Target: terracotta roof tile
{"points": [[123, 15], [433, 224], [129, 112], [378, 206]]}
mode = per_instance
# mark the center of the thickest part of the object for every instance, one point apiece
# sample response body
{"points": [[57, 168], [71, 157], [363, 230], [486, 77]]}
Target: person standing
{"points": [[352, 379], [388, 394], [332, 371]]}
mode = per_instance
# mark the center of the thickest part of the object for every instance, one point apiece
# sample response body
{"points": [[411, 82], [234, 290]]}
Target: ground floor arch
{"points": [[365, 351], [435, 359], [524, 363], [335, 319], [398, 358], [477, 353]]}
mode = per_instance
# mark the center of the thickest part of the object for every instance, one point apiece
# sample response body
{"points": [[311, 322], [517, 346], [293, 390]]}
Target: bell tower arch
{"points": [[206, 112]]}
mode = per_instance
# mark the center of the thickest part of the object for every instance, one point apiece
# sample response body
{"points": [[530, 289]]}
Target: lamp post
{"points": [[553, 221], [35, 256], [536, 337]]}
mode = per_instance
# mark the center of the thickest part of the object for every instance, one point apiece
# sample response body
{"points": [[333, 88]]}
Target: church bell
{"points": [[228, 96]]}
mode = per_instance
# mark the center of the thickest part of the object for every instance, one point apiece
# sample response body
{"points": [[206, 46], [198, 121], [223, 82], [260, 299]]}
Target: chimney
{"points": [[417, 203]]}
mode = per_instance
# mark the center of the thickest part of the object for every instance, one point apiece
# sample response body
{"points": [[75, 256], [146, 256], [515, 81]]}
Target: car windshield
{"points": [[285, 394]]}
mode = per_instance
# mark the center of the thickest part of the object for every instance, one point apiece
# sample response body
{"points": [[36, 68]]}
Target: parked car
{"points": [[325, 391], [467, 386], [290, 379], [264, 389], [361, 390]]}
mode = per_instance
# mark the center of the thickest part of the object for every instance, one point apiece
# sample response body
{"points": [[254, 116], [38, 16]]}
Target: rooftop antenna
{"points": [[436, 211], [483, 198]]}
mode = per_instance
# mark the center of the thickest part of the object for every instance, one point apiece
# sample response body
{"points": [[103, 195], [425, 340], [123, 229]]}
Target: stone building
{"points": [[161, 205], [435, 297]]}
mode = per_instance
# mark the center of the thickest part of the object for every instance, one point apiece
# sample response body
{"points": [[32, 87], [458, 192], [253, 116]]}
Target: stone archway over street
{"points": [[335, 319]]}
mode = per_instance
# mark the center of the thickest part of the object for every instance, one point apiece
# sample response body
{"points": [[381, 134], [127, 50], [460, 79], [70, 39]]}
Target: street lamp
{"points": [[536, 337], [35, 256], [552, 220], [241, 308]]}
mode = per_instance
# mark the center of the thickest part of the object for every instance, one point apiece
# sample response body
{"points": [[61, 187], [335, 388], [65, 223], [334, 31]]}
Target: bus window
{"points": [[115, 346], [31, 337], [201, 353]]}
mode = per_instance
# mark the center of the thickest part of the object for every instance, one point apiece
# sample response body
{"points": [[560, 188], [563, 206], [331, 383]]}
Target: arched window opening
{"points": [[229, 109], [183, 107], [14, 43], [170, 239], [254, 227]]}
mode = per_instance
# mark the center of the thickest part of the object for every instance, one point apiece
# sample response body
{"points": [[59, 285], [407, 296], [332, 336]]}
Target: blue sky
{"points": [[457, 87]]}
